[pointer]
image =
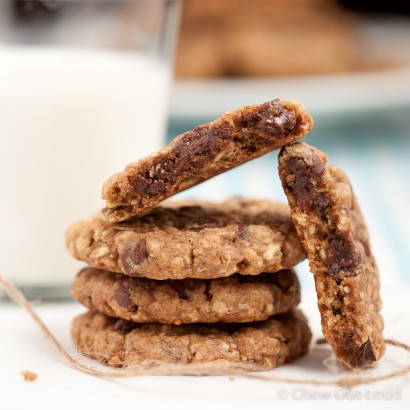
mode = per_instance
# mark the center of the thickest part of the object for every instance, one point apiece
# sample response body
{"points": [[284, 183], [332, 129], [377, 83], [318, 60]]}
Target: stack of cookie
{"points": [[188, 285], [193, 282], [197, 282]]}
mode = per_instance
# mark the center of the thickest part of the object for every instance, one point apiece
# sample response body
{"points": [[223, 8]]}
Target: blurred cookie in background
{"points": [[226, 38]]}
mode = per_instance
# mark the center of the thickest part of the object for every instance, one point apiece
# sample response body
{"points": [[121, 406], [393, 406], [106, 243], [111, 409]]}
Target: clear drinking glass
{"points": [[83, 91]]}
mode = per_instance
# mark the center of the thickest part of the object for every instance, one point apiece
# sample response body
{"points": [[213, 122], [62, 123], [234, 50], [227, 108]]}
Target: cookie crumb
{"points": [[231, 378], [29, 376], [321, 341]]}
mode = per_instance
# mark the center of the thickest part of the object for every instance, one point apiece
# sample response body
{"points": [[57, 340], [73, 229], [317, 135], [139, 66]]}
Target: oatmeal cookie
{"points": [[260, 345], [332, 229], [193, 239], [234, 299], [202, 153]]}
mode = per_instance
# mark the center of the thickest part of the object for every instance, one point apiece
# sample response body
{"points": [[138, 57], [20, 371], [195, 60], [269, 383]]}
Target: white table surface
{"points": [[23, 347]]}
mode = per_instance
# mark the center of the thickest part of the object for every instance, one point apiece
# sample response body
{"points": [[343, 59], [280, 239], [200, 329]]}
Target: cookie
{"points": [[262, 345], [202, 153], [232, 300], [269, 39], [191, 240], [332, 229]]}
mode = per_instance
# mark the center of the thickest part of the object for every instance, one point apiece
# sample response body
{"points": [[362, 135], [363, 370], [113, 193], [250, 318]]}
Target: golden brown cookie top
{"points": [[193, 239]]}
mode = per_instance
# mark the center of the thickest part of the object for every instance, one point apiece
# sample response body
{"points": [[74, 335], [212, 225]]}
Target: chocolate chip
{"points": [[271, 119], [139, 185], [134, 256], [123, 298], [207, 291], [122, 325], [356, 355], [180, 288], [197, 146], [157, 187], [342, 255], [218, 137], [302, 185], [366, 355]]}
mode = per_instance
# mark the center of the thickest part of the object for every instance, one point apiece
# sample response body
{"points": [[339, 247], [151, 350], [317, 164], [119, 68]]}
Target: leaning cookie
{"points": [[260, 345], [331, 227], [193, 240], [202, 153], [235, 299]]}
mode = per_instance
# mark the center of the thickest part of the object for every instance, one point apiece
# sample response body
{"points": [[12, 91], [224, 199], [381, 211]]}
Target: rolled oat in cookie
{"points": [[192, 239], [235, 299], [259, 345], [202, 153], [332, 229]]}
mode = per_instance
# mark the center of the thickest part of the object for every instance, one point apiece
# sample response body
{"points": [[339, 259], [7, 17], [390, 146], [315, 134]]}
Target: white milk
{"points": [[68, 120]]}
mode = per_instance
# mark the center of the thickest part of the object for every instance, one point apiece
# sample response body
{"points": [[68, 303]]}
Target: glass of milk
{"points": [[83, 91]]}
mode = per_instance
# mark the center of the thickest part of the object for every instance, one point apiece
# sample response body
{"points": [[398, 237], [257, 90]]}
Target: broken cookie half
{"points": [[333, 232], [202, 153]]}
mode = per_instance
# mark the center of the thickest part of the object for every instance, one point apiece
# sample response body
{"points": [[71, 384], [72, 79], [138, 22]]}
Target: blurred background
{"points": [[87, 86], [347, 61]]}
